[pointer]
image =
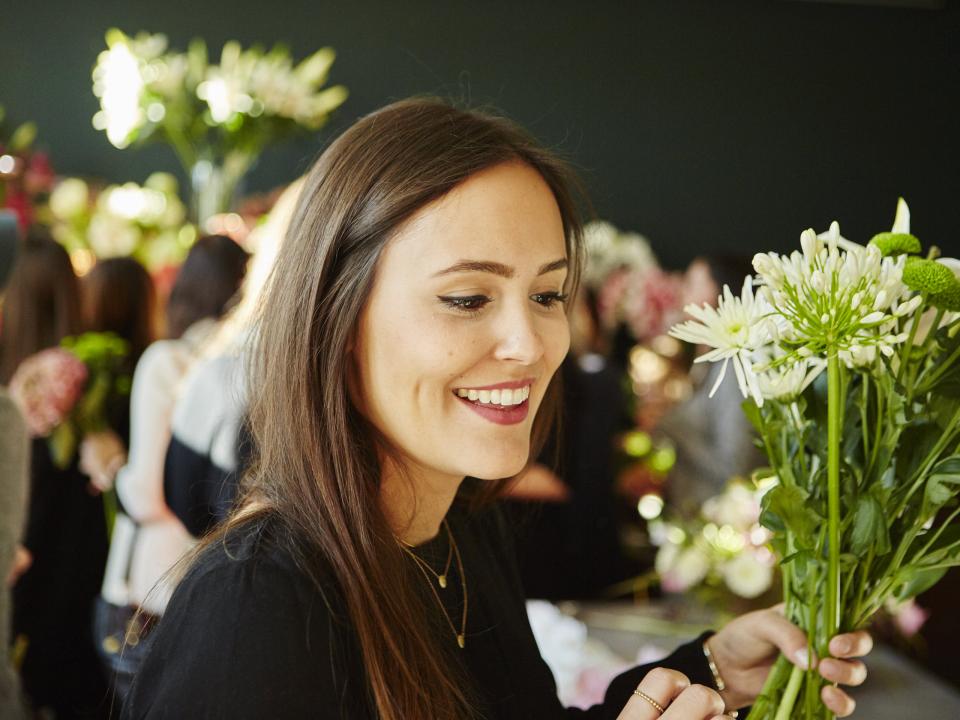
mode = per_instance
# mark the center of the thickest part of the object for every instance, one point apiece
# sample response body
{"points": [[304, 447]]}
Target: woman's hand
{"points": [[101, 455], [746, 648], [679, 699], [22, 560]]}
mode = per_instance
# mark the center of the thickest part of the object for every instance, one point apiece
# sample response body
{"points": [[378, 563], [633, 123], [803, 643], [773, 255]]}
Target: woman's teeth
{"points": [[496, 397]]}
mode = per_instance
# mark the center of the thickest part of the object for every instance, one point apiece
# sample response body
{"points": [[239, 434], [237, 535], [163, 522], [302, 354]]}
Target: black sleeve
{"points": [[688, 658], [243, 639], [196, 490]]}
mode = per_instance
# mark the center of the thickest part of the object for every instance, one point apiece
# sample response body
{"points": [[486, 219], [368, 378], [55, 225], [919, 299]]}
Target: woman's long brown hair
{"points": [[42, 303], [318, 461]]}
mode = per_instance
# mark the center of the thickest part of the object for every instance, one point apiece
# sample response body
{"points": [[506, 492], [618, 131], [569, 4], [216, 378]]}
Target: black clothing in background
{"points": [[53, 601], [571, 550], [247, 635]]}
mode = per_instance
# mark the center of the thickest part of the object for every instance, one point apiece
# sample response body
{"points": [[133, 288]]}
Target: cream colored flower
{"points": [[735, 329], [746, 575]]}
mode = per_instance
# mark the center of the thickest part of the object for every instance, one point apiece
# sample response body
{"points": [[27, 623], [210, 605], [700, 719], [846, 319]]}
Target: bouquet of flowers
{"points": [[632, 289], [64, 392], [217, 118], [145, 221], [848, 357], [723, 550], [26, 176]]}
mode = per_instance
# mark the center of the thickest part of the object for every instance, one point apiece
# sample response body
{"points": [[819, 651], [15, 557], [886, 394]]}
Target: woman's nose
{"points": [[518, 337]]}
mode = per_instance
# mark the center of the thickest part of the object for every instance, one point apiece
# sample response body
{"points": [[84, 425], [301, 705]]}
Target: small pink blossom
{"points": [[46, 386]]}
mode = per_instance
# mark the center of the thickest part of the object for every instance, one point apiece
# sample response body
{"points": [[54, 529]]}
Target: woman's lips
{"points": [[499, 414]]}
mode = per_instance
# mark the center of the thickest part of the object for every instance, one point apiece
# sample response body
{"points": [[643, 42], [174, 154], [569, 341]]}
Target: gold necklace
{"points": [[441, 577], [462, 635]]}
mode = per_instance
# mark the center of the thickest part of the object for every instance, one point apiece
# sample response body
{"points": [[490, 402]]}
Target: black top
{"points": [[247, 635]]}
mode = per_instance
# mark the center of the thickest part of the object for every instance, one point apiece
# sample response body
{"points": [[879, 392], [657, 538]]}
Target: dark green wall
{"points": [[710, 125]]}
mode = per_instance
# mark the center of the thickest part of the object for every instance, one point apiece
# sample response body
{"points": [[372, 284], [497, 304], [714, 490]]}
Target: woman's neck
{"points": [[416, 502]]}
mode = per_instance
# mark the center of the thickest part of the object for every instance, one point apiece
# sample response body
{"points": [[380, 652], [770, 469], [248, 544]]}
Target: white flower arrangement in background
{"points": [[723, 548], [145, 221], [218, 118]]}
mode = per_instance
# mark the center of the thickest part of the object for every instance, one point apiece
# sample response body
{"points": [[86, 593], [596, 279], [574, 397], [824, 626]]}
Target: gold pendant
{"points": [[442, 579], [461, 641]]}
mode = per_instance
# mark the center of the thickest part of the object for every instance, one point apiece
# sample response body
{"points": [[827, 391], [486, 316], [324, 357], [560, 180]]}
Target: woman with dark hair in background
{"points": [[409, 338], [147, 538], [66, 530], [118, 297]]}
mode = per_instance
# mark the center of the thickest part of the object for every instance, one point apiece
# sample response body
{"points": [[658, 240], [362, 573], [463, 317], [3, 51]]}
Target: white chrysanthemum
{"points": [[851, 299], [747, 575], [735, 329]]}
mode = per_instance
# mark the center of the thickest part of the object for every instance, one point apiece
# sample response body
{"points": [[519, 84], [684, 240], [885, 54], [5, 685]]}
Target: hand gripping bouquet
{"points": [[847, 355]]}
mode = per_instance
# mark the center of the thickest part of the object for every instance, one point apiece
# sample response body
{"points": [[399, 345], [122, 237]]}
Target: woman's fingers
{"points": [[697, 702], [845, 672], [851, 645], [661, 685], [838, 701]]}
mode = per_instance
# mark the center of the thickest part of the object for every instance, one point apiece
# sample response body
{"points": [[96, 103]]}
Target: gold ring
{"points": [[643, 695]]}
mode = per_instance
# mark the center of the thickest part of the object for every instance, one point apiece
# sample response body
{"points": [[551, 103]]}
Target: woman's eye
{"points": [[548, 300], [471, 304]]}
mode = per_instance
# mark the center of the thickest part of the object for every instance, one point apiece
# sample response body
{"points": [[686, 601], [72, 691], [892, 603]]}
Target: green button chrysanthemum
{"points": [[948, 300], [927, 276], [891, 243]]}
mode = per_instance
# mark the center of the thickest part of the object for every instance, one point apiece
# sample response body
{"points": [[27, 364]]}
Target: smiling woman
{"points": [[409, 340]]}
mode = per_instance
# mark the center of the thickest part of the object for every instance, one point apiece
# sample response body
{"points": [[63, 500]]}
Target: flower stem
{"points": [[834, 408], [790, 694]]}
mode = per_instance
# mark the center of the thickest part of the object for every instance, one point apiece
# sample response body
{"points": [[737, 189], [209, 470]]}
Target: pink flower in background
{"points": [[910, 617], [46, 386]]}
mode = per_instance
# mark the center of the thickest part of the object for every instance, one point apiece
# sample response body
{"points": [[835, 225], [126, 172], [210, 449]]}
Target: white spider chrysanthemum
{"points": [[735, 329], [849, 301]]}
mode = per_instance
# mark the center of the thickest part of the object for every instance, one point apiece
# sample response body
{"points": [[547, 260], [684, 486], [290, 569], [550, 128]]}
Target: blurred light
{"points": [[156, 112], [676, 536], [647, 367], [637, 444], [83, 261], [7, 164], [663, 459], [121, 84], [666, 346], [187, 236], [650, 506], [127, 201], [676, 389]]}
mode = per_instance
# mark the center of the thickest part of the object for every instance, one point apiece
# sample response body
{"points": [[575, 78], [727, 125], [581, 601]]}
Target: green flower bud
{"points": [[927, 276], [896, 243]]}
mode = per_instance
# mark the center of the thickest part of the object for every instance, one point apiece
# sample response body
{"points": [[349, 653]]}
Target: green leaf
{"points": [[941, 483], [786, 507], [917, 580], [891, 243], [752, 413], [869, 527], [63, 444], [927, 276]]}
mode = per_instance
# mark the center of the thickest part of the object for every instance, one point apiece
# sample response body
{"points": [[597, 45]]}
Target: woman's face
{"points": [[465, 326]]}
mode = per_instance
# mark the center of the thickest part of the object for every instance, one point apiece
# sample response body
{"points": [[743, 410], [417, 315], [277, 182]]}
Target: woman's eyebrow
{"points": [[496, 268]]}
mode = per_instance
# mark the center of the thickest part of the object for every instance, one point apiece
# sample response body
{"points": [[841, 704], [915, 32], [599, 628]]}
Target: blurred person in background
{"points": [[210, 446], [147, 538], [66, 528], [14, 488], [118, 297]]}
